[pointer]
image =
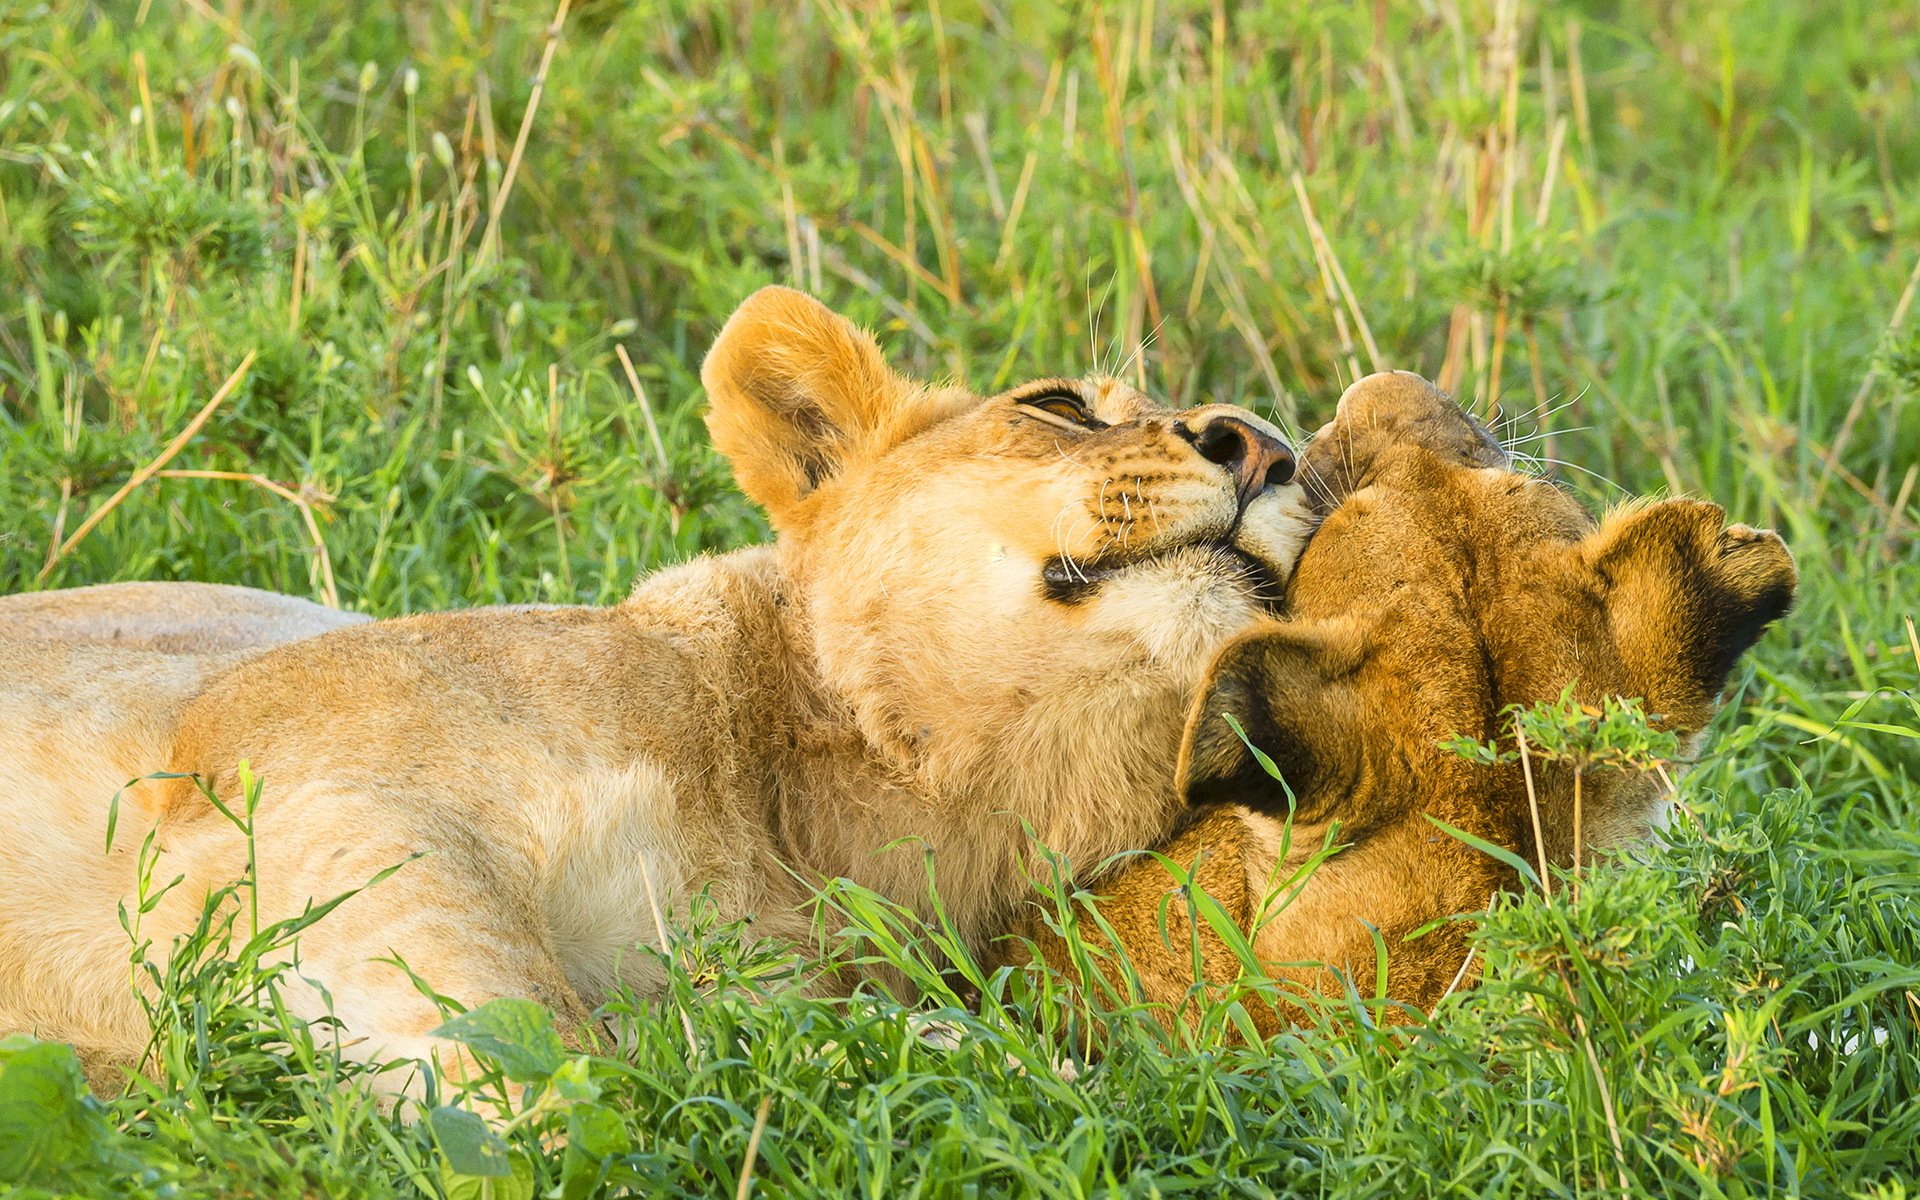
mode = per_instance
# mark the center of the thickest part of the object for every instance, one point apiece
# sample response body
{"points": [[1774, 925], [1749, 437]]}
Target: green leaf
{"points": [[518, 1034], [515, 1184], [468, 1145], [1260, 756], [597, 1132], [1486, 847], [594, 1135], [572, 1082], [48, 1120]]}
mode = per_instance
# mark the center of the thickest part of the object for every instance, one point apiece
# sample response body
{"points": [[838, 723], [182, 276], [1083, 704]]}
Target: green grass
{"points": [[1673, 243]]}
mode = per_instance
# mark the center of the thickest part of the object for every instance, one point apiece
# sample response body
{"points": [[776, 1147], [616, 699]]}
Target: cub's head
{"points": [[971, 565], [1442, 587]]}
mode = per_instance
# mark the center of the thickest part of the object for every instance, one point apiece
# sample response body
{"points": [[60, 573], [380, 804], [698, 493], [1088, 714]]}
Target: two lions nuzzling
{"points": [[1442, 587], [980, 616]]}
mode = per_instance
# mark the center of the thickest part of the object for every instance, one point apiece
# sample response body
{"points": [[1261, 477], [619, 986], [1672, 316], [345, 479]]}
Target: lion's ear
{"points": [[1686, 595], [1290, 690], [796, 392]]}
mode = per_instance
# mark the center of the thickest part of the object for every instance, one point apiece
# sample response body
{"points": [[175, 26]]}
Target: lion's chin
{"points": [[1181, 604], [1203, 566]]}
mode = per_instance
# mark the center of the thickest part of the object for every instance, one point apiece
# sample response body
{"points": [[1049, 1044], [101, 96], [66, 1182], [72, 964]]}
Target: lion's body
{"points": [[910, 662], [549, 762], [1442, 587]]}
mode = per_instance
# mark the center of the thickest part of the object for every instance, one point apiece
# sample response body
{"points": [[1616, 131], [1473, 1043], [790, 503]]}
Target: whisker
{"points": [[1563, 406], [1540, 415], [1093, 319], [1560, 462], [1148, 339], [1539, 435]]}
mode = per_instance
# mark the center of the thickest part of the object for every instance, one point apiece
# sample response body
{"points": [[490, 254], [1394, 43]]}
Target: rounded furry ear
{"points": [[796, 392], [1288, 688], [1389, 399], [1387, 411], [1687, 594]]}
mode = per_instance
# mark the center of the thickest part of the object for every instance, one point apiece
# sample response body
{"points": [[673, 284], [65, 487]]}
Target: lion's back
{"points": [[172, 618]]}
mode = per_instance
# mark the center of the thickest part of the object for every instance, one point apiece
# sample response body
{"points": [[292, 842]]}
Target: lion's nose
{"points": [[1257, 459]]}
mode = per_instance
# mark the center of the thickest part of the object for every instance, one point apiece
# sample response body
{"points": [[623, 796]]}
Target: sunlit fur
{"points": [[891, 668], [1442, 587]]}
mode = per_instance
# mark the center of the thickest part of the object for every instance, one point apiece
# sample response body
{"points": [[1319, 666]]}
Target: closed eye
{"points": [[1062, 405]]}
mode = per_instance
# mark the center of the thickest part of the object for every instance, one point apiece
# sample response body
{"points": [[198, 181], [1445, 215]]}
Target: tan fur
{"points": [[894, 667], [175, 618], [1442, 587]]}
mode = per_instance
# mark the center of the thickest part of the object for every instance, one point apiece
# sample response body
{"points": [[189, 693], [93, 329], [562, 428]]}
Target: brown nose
{"points": [[1257, 459]]}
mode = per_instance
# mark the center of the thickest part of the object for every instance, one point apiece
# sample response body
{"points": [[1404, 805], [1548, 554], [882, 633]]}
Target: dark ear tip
{"points": [[1756, 564], [1757, 581]]}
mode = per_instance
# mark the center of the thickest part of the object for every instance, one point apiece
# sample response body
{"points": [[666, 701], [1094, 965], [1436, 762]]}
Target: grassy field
{"points": [[1675, 242]]}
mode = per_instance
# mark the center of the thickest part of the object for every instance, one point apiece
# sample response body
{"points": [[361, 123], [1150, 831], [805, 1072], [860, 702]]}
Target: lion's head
{"points": [[968, 567], [1442, 587]]}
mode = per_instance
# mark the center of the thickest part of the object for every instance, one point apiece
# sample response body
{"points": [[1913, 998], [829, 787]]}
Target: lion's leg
{"points": [[1148, 907], [456, 919], [371, 976]]}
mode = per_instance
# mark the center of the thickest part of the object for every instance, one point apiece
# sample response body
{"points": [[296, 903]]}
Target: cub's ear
{"points": [[1385, 411], [1290, 689], [796, 392], [1392, 400], [1686, 595]]}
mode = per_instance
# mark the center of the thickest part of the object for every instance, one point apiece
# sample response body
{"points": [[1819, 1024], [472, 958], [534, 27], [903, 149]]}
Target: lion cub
{"points": [[1442, 587], [978, 614]]}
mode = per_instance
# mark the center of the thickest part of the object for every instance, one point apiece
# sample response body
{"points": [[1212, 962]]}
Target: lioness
{"points": [[1442, 587], [979, 614]]}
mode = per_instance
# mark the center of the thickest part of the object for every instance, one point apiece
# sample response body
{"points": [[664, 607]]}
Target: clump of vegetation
{"points": [[449, 275]]}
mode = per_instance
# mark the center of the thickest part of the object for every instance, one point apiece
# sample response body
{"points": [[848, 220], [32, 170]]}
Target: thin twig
{"points": [[1849, 478], [1557, 143], [1459, 977], [59, 521], [1899, 511], [1335, 278], [745, 1186], [490, 236], [1533, 807], [1859, 405], [1577, 832], [646, 409], [145, 473], [1600, 1082]]}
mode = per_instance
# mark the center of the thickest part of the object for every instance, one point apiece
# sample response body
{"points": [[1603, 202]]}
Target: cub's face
{"points": [[1442, 587], [963, 559]]}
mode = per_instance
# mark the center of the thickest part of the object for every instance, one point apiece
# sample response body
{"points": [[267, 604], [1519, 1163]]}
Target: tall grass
{"points": [[1672, 247]]}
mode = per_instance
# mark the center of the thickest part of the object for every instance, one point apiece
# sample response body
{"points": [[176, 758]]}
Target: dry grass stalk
{"points": [[1859, 404], [301, 498], [147, 472], [490, 238]]}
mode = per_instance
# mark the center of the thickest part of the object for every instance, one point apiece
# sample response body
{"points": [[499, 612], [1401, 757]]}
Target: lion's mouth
{"points": [[1077, 580]]}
